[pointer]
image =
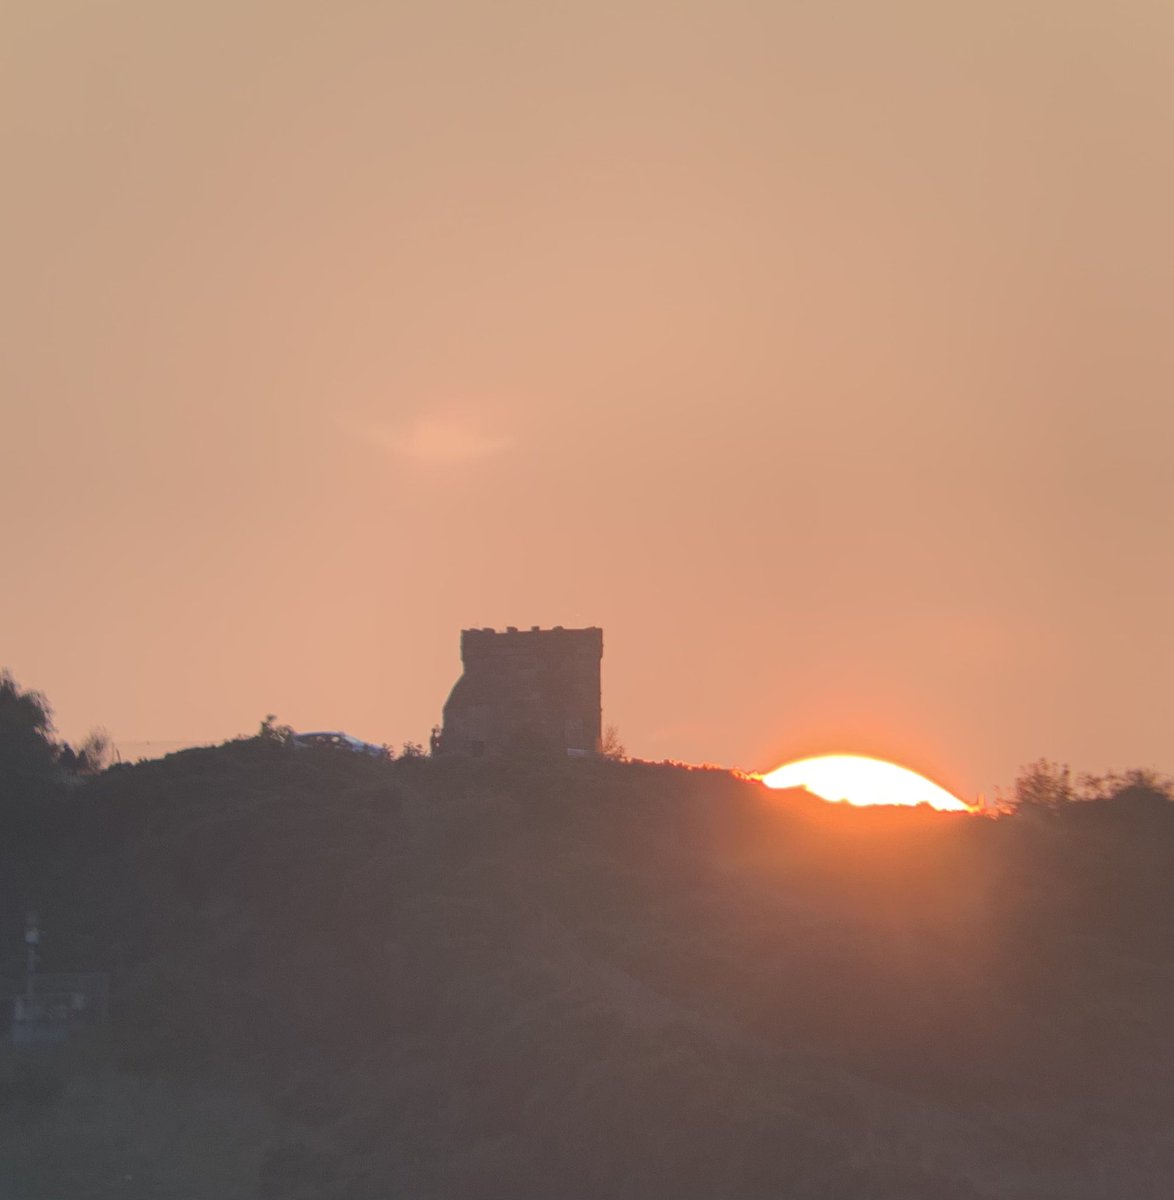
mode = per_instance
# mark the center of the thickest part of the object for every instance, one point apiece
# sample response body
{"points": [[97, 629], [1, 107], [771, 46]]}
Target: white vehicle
{"points": [[333, 740]]}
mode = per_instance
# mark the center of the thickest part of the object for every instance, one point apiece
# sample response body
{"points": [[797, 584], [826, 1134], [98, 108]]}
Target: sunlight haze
{"points": [[820, 354]]}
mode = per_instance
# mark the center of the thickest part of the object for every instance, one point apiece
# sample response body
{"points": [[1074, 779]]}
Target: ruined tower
{"points": [[536, 688]]}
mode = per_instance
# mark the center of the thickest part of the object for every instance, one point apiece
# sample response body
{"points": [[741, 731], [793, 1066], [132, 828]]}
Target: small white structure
{"points": [[334, 740]]}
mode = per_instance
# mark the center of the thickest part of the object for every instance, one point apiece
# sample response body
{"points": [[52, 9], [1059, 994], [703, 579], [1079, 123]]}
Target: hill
{"points": [[340, 977]]}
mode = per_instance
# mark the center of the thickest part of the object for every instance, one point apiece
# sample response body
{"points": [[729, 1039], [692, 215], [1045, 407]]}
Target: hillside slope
{"points": [[335, 977]]}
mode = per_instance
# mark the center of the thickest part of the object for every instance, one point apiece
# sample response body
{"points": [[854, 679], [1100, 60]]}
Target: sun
{"points": [[854, 779]]}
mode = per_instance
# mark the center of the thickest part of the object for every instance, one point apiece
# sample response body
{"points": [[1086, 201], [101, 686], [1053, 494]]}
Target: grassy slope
{"points": [[336, 977]]}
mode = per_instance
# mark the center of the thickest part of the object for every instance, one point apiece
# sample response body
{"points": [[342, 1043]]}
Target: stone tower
{"points": [[536, 688]]}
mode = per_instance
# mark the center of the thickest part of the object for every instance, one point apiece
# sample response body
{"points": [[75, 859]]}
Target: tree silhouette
{"points": [[27, 747], [611, 746]]}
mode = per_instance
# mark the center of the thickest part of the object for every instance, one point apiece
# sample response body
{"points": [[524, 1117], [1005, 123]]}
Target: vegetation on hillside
{"points": [[340, 977], [30, 752]]}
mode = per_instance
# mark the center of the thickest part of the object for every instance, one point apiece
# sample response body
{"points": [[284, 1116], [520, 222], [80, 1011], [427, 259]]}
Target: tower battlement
{"points": [[534, 640]]}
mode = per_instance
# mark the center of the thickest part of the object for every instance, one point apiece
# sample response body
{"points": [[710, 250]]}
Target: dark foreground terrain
{"points": [[335, 977]]}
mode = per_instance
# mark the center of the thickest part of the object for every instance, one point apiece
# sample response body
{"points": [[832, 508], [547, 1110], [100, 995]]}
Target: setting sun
{"points": [[854, 779]]}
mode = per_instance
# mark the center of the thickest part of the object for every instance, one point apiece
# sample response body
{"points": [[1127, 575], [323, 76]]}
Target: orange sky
{"points": [[821, 353]]}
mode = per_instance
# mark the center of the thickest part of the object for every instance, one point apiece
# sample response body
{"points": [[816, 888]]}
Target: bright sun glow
{"points": [[858, 780]]}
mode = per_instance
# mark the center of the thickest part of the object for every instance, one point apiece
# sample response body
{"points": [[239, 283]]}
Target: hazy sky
{"points": [[819, 352]]}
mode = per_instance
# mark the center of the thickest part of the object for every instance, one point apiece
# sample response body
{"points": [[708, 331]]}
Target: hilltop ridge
{"points": [[534, 977]]}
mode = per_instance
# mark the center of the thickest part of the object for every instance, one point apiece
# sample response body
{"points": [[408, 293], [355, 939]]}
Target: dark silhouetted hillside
{"points": [[339, 977]]}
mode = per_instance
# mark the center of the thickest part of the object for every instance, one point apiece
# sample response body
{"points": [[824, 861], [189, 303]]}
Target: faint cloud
{"points": [[439, 440]]}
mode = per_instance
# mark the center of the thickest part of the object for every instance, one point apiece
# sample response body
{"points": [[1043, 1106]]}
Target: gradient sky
{"points": [[819, 352]]}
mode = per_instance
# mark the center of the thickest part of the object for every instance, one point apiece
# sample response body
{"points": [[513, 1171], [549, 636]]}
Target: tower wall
{"points": [[537, 688]]}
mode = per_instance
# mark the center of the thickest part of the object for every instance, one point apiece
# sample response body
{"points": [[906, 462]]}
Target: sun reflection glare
{"points": [[854, 779]]}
